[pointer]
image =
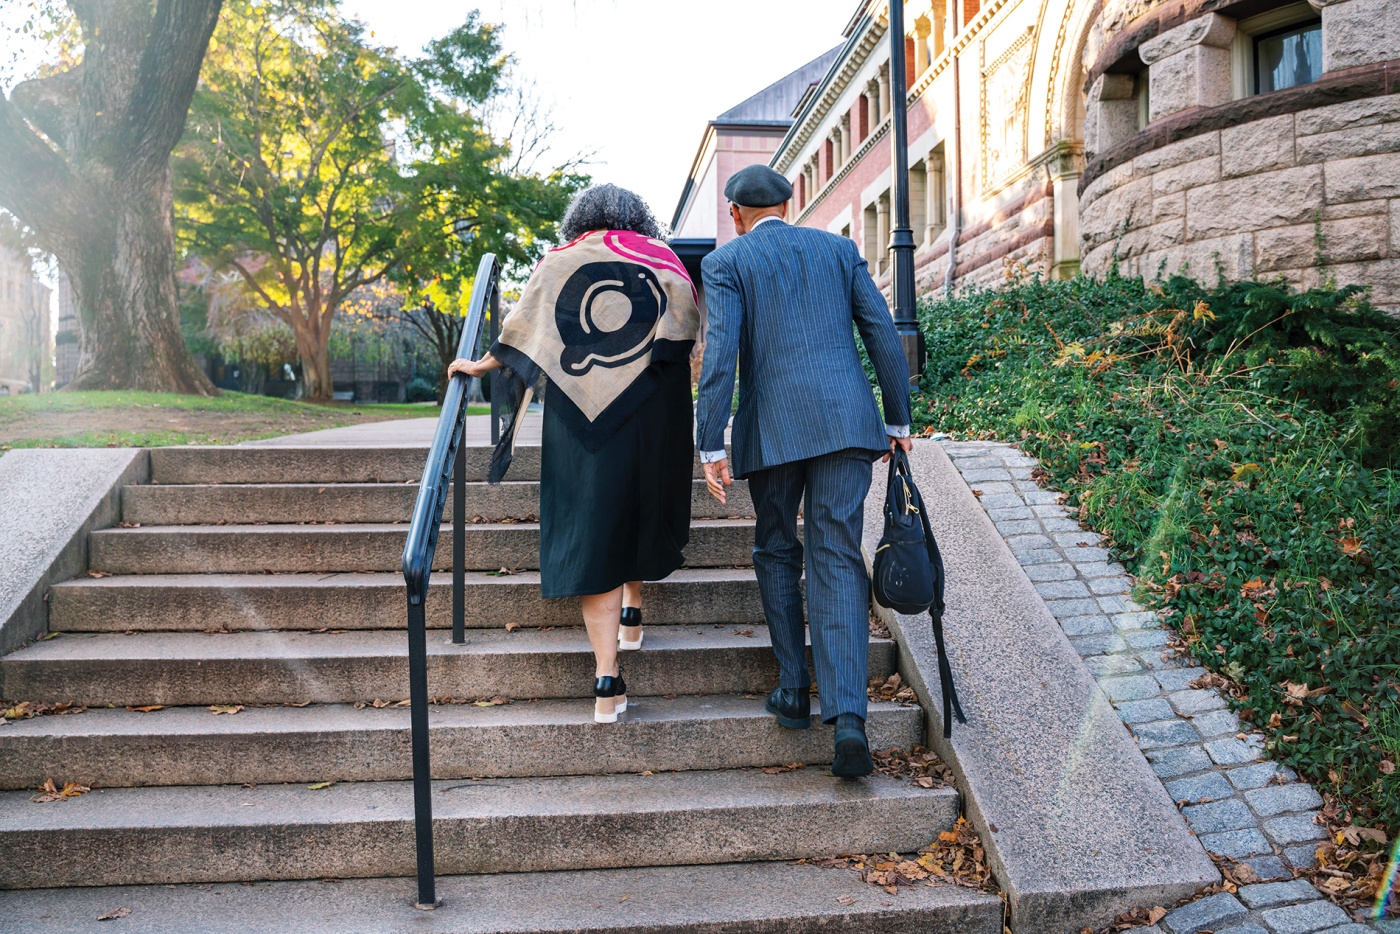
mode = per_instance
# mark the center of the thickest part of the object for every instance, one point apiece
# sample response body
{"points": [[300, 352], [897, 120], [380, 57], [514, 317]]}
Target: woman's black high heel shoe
{"points": [[609, 698], [629, 632]]}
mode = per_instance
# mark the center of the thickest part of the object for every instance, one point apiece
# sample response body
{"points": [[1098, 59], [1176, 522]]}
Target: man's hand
{"points": [[717, 478], [898, 444]]}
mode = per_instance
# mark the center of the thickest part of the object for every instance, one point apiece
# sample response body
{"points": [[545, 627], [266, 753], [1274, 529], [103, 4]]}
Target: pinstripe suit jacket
{"points": [[782, 301]]}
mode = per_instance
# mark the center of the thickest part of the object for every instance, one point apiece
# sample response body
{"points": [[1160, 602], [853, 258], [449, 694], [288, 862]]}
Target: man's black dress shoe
{"points": [[852, 748], [792, 707]]}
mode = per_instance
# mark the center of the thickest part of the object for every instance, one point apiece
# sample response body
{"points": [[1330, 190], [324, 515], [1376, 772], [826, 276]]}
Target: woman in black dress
{"points": [[608, 320]]}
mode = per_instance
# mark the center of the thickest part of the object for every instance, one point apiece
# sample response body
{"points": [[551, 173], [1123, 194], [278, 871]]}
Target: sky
{"points": [[633, 81]]}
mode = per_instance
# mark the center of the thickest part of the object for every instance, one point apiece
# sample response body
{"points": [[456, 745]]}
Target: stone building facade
{"points": [[1259, 138], [25, 344]]}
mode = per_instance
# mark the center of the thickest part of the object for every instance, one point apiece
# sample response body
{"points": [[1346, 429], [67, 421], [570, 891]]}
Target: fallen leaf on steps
{"points": [[217, 709], [147, 709], [318, 786], [114, 914], [50, 792]]}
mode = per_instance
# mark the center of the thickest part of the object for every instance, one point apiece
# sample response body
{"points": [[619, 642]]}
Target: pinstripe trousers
{"points": [[838, 588]]}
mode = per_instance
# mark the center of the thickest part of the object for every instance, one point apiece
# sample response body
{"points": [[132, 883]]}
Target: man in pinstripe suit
{"points": [[785, 302]]}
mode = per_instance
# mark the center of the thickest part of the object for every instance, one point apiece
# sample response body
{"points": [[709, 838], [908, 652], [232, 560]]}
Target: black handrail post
{"points": [[902, 238], [422, 774], [495, 331], [459, 545]]}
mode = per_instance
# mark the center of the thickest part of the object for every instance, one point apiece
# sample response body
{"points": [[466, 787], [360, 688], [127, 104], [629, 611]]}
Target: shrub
{"points": [[1234, 444], [419, 389]]}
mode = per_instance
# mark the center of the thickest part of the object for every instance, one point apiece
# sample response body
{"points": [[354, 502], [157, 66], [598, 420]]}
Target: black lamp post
{"points": [[902, 238]]}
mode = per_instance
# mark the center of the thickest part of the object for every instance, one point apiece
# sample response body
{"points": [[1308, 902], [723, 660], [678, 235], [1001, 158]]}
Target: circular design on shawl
{"points": [[607, 315]]}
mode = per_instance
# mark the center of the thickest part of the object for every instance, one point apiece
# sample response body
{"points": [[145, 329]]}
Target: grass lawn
{"points": [[1237, 447], [144, 419]]}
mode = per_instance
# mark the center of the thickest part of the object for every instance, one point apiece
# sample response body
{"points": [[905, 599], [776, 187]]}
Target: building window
{"points": [[1288, 57], [1278, 49]]}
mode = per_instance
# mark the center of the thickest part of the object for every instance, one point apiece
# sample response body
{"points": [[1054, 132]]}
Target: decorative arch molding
{"points": [[1064, 94]]}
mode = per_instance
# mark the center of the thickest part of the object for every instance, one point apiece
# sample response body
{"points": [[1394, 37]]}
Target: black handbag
{"points": [[908, 571]]}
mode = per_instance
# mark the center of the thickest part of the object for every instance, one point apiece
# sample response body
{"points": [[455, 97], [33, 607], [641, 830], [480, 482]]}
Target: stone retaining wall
{"points": [[1304, 196]]}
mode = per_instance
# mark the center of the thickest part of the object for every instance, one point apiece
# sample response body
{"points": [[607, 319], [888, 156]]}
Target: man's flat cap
{"points": [[757, 186]]}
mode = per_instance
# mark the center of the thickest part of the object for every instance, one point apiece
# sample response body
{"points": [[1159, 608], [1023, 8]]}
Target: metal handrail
{"points": [[446, 466]]}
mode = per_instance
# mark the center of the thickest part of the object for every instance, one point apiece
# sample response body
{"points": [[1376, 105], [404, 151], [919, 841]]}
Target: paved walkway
{"points": [[1238, 804]]}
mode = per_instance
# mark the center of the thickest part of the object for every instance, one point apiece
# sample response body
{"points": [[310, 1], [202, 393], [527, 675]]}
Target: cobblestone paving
{"points": [[1236, 802]]}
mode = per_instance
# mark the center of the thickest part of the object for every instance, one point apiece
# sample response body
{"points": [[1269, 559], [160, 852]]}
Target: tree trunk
{"points": [[123, 273], [313, 346]]}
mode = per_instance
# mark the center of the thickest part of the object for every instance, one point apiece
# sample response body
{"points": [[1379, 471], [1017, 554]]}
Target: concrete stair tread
{"points": [[370, 600], [261, 667], [762, 898], [166, 835], [191, 746], [332, 528]]}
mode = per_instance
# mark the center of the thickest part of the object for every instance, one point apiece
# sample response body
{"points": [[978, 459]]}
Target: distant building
{"points": [[741, 136], [1249, 138], [66, 340], [25, 347]]}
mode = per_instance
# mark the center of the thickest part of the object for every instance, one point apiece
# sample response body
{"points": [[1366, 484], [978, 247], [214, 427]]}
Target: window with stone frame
{"points": [[1276, 50], [1141, 89]]}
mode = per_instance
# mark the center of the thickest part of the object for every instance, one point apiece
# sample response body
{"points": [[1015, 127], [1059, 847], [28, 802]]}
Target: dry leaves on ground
{"points": [[1351, 862], [51, 792], [955, 857], [496, 700], [918, 765], [878, 629], [114, 914], [217, 709], [23, 710], [891, 689]]}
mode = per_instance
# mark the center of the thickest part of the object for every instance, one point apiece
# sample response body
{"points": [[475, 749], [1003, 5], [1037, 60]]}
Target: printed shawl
{"points": [[595, 317]]}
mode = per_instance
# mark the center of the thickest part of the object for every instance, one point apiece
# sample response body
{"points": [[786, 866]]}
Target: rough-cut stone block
{"points": [[1031, 556], [1219, 816], [1148, 638], [1142, 711], [1194, 701], [1050, 511], [1352, 239], [1358, 32], [1233, 751], [1277, 799], [1216, 723], [1277, 893], [1110, 585], [1092, 569], [1364, 178], [1013, 527], [1297, 828], [1345, 144], [1303, 857], [1164, 733], [1060, 590], [1076, 539], [1042, 497], [1368, 111], [1050, 572], [1237, 844], [1258, 775], [1019, 543], [1181, 178], [1129, 686], [997, 487], [1159, 660], [1106, 665], [992, 501], [1269, 868], [1100, 644], [1115, 604], [1178, 679], [1304, 919], [1143, 619], [1091, 625], [1257, 146], [1207, 913], [1168, 207], [1249, 927], [986, 473], [1082, 606], [1269, 199], [1350, 929], [1178, 760], [1087, 553], [1124, 208], [1204, 260], [1196, 149], [1061, 524], [1210, 786], [1194, 77], [1003, 514]]}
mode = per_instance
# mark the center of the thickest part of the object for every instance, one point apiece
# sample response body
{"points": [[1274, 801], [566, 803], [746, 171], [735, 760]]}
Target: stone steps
{"points": [[241, 549], [197, 602], [302, 667], [344, 503], [262, 745], [125, 836], [755, 898]]}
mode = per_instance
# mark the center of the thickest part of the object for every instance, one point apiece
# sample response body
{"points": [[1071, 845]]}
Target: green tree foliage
{"points": [[318, 163], [1237, 447]]}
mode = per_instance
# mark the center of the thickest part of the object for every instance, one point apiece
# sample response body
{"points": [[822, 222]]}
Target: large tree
{"points": [[318, 163], [85, 165]]}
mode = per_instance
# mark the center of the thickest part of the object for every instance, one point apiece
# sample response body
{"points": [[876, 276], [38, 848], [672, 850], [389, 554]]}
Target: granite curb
{"points": [[49, 501], [1237, 803]]}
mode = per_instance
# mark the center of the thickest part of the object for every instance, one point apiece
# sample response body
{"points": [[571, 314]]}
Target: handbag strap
{"points": [[951, 707]]}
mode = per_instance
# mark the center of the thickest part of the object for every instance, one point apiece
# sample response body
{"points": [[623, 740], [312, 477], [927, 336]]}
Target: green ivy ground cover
{"points": [[1237, 445]]}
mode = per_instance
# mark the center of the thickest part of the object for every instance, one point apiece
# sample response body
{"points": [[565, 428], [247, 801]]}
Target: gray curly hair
{"points": [[608, 207]]}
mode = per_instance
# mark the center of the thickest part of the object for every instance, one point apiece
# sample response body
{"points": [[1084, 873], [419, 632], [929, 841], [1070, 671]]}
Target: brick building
{"points": [[1258, 137]]}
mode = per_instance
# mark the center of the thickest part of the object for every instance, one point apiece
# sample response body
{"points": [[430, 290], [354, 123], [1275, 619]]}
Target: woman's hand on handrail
{"points": [[476, 368]]}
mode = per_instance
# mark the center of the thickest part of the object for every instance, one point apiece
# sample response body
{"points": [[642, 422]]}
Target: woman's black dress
{"points": [[621, 511]]}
